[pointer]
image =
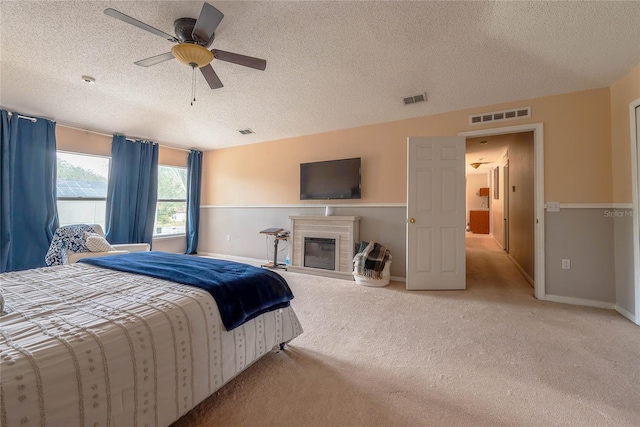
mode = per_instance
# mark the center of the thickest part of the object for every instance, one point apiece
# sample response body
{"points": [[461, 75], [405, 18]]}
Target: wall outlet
{"points": [[228, 237], [566, 264]]}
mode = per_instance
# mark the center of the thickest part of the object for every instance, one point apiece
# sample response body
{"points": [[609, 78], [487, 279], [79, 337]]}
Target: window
{"points": [[82, 188], [171, 213]]}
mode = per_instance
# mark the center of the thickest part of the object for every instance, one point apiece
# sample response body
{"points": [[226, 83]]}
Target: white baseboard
{"points": [[626, 313], [398, 279], [251, 261], [579, 301], [524, 273]]}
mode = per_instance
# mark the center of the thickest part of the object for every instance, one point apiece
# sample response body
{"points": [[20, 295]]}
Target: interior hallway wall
{"points": [[521, 201]]}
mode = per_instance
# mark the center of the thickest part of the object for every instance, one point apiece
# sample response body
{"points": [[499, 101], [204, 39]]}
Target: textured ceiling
{"points": [[330, 65], [487, 150]]}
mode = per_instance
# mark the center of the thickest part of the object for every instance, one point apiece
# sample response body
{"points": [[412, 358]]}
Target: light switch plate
{"points": [[553, 206]]}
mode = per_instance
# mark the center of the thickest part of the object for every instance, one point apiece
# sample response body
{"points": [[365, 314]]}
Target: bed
{"points": [[83, 345]]}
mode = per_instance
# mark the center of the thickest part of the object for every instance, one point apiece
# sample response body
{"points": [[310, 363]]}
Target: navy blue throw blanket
{"points": [[241, 291]]}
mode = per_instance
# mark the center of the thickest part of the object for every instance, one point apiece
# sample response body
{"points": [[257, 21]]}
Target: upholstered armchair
{"points": [[73, 242]]}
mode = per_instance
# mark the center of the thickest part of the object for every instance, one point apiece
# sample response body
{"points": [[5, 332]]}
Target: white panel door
{"points": [[436, 213]]}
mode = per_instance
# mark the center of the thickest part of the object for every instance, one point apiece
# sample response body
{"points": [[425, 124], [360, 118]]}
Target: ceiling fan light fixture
{"points": [[188, 54], [476, 165]]}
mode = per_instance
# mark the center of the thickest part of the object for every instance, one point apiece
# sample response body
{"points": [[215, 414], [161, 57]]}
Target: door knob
{"points": [[412, 220]]}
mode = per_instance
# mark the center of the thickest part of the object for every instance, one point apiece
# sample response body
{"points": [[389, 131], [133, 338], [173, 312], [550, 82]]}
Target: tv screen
{"points": [[333, 179]]}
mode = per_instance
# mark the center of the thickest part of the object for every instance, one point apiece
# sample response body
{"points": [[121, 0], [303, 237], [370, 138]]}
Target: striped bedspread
{"points": [[85, 346]]}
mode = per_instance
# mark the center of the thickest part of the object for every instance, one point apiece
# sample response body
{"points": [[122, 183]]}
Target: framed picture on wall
{"points": [[496, 183]]}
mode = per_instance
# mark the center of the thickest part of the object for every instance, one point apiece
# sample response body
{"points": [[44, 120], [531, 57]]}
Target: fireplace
{"points": [[323, 245], [320, 253]]}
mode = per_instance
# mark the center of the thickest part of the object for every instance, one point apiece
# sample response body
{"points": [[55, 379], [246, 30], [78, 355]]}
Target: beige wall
{"points": [[623, 92], [87, 142], [80, 141], [577, 136], [476, 181]]}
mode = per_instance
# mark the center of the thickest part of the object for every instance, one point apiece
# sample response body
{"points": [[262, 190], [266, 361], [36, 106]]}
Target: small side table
{"points": [[274, 232]]}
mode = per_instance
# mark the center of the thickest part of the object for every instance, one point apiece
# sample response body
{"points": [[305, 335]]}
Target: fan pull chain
{"points": [[193, 83]]}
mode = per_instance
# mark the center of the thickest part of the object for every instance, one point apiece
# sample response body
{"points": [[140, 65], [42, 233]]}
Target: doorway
{"points": [[511, 194], [537, 213]]}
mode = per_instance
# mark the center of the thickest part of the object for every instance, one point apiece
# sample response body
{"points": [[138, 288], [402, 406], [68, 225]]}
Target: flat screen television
{"points": [[333, 179]]}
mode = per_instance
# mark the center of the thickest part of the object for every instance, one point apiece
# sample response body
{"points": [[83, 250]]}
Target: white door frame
{"points": [[635, 160], [538, 156], [505, 205]]}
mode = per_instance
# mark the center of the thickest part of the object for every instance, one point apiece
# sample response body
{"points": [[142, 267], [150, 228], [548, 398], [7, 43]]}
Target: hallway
{"points": [[489, 268]]}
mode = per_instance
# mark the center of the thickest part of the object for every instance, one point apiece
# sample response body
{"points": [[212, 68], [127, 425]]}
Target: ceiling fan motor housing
{"points": [[183, 28]]}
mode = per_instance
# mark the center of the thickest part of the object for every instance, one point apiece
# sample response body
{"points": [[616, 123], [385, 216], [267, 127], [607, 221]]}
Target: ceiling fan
{"points": [[193, 37]]}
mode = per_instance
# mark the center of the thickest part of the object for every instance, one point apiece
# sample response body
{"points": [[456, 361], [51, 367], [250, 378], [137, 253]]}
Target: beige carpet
{"points": [[491, 355]]}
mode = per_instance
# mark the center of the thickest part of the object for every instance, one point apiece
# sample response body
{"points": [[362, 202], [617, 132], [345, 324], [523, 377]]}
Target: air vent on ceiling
{"points": [[416, 98], [246, 131], [496, 116]]}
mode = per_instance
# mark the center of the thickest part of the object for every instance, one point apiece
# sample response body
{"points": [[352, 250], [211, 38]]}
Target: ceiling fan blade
{"points": [[148, 62], [129, 20], [236, 58], [207, 23], [211, 77]]}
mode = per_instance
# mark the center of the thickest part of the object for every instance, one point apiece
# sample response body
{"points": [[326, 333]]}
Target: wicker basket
{"points": [[368, 281]]}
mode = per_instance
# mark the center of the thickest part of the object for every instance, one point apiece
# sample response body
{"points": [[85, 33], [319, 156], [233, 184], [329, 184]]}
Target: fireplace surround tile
{"points": [[345, 230]]}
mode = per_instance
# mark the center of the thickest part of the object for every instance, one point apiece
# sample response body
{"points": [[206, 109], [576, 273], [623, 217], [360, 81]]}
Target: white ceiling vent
{"points": [[498, 116], [416, 98], [246, 131]]}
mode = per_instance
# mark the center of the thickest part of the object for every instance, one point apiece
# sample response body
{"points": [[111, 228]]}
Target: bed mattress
{"points": [[85, 346]]}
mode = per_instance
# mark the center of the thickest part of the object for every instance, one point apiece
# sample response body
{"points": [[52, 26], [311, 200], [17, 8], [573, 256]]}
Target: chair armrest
{"points": [[75, 256], [133, 247]]}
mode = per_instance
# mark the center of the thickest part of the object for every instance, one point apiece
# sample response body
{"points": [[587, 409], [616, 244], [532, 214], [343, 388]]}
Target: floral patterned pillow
{"points": [[68, 238]]}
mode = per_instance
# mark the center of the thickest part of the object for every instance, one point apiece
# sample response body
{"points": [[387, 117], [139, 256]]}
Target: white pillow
{"points": [[97, 243]]}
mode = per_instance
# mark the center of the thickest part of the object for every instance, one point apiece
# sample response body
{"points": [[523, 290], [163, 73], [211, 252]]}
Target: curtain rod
{"points": [[33, 119], [128, 139], [20, 116]]}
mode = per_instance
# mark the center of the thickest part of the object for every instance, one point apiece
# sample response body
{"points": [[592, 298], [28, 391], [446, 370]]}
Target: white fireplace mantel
{"points": [[344, 229]]}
